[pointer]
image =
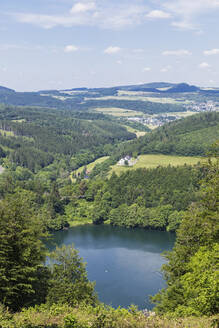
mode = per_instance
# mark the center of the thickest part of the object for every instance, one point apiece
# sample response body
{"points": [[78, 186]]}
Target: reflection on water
{"points": [[125, 263]]}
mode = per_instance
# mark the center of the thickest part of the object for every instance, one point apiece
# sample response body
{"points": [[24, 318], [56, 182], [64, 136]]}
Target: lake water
{"points": [[125, 263]]}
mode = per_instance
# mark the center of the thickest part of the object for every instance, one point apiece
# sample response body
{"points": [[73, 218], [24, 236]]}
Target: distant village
{"points": [[209, 106], [161, 119], [157, 120]]}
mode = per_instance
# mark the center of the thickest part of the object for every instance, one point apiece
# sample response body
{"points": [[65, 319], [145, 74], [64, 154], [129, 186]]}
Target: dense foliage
{"points": [[35, 138], [191, 136], [21, 253], [69, 283], [24, 278], [39, 148], [142, 106], [100, 316], [191, 273], [149, 198]]}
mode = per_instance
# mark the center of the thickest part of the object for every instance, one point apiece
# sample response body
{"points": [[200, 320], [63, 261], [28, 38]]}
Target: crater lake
{"points": [[124, 263]]}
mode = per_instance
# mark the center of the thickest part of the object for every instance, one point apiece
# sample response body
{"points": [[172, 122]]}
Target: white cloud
{"points": [[187, 11], [119, 62], [50, 21], [102, 14], [158, 14], [180, 52], [211, 52], [146, 69], [166, 69], [71, 48], [112, 50], [204, 65], [81, 7], [184, 25]]}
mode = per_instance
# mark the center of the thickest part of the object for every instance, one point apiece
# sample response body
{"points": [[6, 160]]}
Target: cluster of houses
{"points": [[208, 106], [155, 120], [161, 119], [127, 161]]}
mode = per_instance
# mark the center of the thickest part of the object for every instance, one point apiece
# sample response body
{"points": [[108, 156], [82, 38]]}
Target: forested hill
{"points": [[34, 138], [189, 137], [118, 96]]}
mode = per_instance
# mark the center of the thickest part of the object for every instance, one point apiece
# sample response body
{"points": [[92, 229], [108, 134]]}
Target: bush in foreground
{"points": [[63, 316]]}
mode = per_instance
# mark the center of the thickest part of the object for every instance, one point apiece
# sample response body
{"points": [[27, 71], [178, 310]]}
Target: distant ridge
{"points": [[6, 90], [183, 87], [83, 98]]}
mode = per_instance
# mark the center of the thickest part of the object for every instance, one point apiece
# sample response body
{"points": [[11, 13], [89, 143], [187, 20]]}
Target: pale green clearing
{"points": [[74, 92], [167, 100], [141, 97], [140, 133], [146, 96], [132, 93], [210, 89], [11, 134], [152, 127], [6, 133], [89, 166], [163, 89], [181, 114], [118, 112], [20, 121], [75, 223], [152, 161], [132, 130]]}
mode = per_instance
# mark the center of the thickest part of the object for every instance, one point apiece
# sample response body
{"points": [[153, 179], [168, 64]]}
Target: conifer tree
{"points": [[23, 275]]}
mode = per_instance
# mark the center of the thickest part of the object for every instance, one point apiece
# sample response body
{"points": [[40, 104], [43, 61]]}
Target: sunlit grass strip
{"points": [[153, 161]]}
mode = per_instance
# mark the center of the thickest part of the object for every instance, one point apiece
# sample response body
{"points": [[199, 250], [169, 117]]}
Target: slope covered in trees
{"points": [[35, 198], [61, 290], [192, 270], [25, 280], [147, 198], [191, 136], [34, 138]]}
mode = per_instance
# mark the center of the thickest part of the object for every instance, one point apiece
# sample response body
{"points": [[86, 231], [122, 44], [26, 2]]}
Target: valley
{"points": [[109, 164], [109, 170]]}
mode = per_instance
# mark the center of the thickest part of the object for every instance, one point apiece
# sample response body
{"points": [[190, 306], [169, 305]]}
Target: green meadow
{"points": [[152, 161], [132, 130], [89, 166], [119, 112]]}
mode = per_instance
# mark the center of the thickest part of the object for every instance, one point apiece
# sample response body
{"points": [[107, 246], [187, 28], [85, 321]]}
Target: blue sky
{"points": [[58, 44]]}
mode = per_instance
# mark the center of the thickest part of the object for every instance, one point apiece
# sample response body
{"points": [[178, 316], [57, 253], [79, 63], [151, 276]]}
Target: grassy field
{"points": [[76, 223], [182, 114], [118, 112], [152, 161], [19, 121], [132, 130], [142, 97], [89, 166], [146, 96], [6, 133]]}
